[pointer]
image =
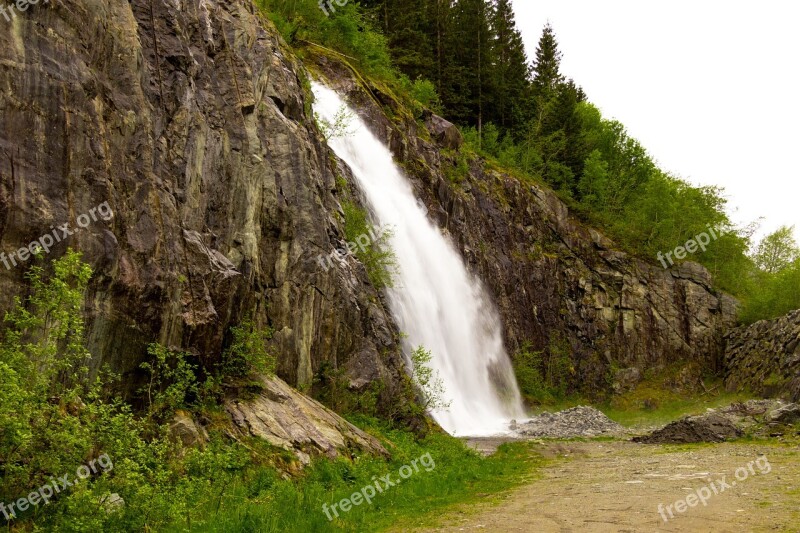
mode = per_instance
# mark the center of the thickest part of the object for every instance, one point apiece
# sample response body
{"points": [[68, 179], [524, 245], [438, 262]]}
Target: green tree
{"points": [[511, 70], [777, 251], [547, 66]]}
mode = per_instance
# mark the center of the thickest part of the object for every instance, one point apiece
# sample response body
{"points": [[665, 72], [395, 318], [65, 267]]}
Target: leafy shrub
{"points": [[427, 380], [377, 256], [543, 377], [172, 381], [249, 354], [345, 30]]}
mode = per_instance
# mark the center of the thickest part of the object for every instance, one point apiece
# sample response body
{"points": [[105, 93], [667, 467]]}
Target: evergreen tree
{"points": [[467, 80], [408, 26], [512, 72], [547, 67]]}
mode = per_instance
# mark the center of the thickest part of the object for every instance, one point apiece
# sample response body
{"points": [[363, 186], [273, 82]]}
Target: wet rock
{"points": [[189, 119], [558, 284], [576, 422]]}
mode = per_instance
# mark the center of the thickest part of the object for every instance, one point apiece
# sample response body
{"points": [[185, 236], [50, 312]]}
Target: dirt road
{"points": [[618, 487]]}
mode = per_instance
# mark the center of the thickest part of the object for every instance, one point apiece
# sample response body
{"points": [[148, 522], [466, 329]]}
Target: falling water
{"points": [[435, 301]]}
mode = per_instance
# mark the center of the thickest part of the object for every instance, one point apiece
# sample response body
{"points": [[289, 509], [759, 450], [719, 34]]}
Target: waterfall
{"points": [[435, 301]]}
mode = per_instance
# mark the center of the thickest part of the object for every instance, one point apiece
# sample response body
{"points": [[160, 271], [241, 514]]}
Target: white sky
{"points": [[710, 88]]}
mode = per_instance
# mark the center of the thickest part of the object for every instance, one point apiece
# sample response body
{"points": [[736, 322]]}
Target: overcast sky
{"points": [[710, 88]]}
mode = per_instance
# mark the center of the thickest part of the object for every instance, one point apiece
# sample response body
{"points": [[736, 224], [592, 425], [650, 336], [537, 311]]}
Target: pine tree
{"points": [[511, 70], [547, 68], [467, 83], [408, 26]]}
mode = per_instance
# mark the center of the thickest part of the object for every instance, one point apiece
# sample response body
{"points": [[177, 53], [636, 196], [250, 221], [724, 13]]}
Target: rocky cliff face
{"points": [[765, 357], [191, 121], [559, 284]]}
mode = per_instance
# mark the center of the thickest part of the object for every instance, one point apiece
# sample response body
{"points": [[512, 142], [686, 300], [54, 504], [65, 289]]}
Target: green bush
{"points": [[544, 377], [346, 31], [377, 256], [249, 354]]}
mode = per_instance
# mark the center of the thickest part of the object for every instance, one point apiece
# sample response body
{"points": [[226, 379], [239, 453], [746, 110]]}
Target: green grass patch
{"points": [[653, 404], [259, 501]]}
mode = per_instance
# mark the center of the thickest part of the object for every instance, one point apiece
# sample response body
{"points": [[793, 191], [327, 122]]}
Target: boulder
{"points": [[288, 419], [184, 430], [445, 133], [788, 414]]}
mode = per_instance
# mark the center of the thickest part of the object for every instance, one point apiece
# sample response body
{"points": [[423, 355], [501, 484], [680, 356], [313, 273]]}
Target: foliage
{"points": [[427, 380], [50, 425], [259, 500], [172, 380], [333, 389], [344, 29], [777, 251], [42, 344], [248, 354], [376, 254], [544, 377], [423, 92], [775, 279], [340, 127]]}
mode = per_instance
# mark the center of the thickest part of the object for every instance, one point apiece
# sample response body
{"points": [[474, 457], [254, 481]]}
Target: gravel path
{"points": [[617, 486]]}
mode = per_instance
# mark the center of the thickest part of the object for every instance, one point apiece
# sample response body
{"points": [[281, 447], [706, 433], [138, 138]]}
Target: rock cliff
{"points": [[192, 120], [558, 283], [765, 357]]}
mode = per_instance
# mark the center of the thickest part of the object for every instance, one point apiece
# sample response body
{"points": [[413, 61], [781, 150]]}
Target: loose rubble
{"points": [[712, 427], [576, 422], [755, 417]]}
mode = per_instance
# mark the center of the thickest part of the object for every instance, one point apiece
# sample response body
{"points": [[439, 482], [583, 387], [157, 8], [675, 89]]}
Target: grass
{"points": [[651, 403], [629, 409], [261, 501]]}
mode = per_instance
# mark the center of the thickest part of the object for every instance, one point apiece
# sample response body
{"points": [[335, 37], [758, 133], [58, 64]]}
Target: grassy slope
{"points": [[259, 501]]}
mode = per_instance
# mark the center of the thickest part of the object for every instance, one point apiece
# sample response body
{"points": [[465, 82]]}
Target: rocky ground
{"points": [[576, 422], [762, 418], [618, 487]]}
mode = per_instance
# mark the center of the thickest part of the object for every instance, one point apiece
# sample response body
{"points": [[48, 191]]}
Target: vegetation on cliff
{"points": [[54, 419], [466, 59]]}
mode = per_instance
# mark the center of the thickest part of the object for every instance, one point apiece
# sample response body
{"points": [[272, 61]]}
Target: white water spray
{"points": [[436, 302]]}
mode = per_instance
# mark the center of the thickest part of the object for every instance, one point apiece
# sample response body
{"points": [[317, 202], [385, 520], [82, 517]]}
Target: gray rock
{"points": [[112, 503], [788, 414], [445, 133], [290, 420], [576, 422], [712, 427], [765, 357], [188, 118], [184, 430]]}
